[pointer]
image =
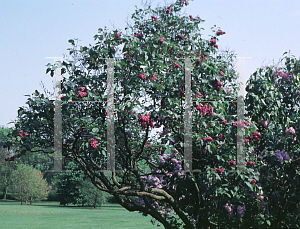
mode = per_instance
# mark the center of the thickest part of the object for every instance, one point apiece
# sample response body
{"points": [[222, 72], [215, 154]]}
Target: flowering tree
{"points": [[149, 175]]}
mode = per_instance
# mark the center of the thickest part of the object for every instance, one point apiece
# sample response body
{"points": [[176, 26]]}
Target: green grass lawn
{"points": [[46, 214]]}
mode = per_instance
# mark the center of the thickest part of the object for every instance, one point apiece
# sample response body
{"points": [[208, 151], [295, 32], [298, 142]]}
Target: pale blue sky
{"points": [[33, 30]]}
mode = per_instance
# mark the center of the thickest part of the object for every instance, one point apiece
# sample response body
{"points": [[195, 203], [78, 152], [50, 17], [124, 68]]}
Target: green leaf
{"points": [[249, 185], [95, 130], [71, 42]]}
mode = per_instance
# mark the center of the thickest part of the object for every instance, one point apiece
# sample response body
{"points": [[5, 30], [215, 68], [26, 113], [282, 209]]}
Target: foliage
{"points": [[28, 184], [273, 101]]}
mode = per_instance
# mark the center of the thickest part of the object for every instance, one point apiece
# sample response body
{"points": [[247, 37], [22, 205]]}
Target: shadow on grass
{"points": [[52, 204]]}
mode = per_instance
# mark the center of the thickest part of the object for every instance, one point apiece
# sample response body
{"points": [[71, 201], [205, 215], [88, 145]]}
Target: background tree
{"points": [[7, 162], [28, 184], [74, 187]]}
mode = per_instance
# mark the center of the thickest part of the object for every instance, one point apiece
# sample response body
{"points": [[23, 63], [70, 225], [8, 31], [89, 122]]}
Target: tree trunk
{"points": [[95, 203], [22, 200], [4, 193]]}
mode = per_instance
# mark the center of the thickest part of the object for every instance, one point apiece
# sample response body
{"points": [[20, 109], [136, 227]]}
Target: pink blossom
{"points": [[222, 73], [216, 45], [264, 123], [229, 209], [177, 65], [191, 17], [246, 141], [290, 130], [253, 181], [186, 2], [219, 83], [162, 40], [198, 61], [141, 28], [143, 76], [260, 197]]}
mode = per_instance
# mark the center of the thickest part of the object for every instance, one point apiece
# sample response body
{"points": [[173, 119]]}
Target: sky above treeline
{"points": [[33, 30]]}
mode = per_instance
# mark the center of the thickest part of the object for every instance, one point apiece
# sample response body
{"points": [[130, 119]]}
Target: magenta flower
{"points": [[222, 73], [219, 170], [118, 35], [143, 76], [139, 35], [82, 89], [21, 133], [94, 143], [152, 78], [219, 83], [216, 45], [246, 141], [232, 163], [168, 10], [186, 2], [163, 105], [220, 33], [177, 65], [82, 94], [218, 88], [162, 40], [223, 122], [141, 28], [213, 41], [198, 61], [199, 107], [191, 17], [155, 18], [253, 181], [208, 139]]}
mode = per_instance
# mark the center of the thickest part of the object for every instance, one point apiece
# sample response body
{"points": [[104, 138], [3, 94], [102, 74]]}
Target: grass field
{"points": [[46, 214]]}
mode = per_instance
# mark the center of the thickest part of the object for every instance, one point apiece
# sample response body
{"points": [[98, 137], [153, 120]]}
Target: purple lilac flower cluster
{"points": [[282, 155]]}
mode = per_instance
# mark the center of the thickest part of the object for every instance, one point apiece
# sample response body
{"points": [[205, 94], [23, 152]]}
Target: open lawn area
{"points": [[46, 214]]}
